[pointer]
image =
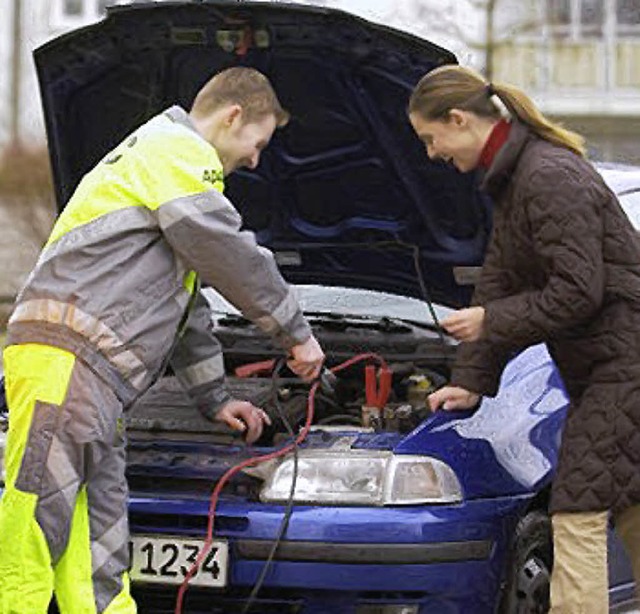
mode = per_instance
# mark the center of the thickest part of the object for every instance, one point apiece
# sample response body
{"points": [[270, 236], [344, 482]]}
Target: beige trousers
{"points": [[579, 582]]}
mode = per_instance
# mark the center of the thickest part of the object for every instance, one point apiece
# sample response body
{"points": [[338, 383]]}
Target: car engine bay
{"points": [[392, 398]]}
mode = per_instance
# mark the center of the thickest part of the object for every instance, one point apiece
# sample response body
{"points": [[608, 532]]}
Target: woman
{"points": [[563, 268]]}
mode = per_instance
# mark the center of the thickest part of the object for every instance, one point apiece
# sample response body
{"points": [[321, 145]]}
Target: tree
{"points": [[16, 71], [27, 210]]}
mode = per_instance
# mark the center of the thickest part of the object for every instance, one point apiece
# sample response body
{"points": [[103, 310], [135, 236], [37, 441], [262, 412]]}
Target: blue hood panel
{"points": [[345, 194], [510, 443]]}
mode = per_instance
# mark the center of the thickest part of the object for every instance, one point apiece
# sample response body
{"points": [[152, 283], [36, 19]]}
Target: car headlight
{"points": [[362, 477]]}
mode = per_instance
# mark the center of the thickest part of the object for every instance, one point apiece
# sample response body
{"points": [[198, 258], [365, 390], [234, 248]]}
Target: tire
{"points": [[528, 576]]}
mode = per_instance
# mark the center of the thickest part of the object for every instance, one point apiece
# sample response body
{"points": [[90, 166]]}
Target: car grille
{"points": [[151, 600], [241, 487], [161, 600], [183, 523]]}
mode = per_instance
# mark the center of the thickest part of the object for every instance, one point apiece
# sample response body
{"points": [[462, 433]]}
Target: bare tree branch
{"points": [[27, 211]]}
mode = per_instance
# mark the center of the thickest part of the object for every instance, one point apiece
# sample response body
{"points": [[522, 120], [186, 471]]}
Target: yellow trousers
{"points": [[63, 521]]}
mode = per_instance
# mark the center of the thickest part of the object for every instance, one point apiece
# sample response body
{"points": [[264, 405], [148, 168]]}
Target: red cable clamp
{"points": [[377, 392]]}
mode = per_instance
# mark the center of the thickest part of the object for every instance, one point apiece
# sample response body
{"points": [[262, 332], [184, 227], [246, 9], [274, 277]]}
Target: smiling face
{"points": [[459, 138], [239, 143]]}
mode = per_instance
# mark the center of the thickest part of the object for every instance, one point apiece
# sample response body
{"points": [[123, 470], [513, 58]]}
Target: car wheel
{"points": [[528, 577]]}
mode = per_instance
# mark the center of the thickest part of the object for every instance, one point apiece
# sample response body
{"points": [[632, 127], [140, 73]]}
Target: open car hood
{"points": [[345, 194]]}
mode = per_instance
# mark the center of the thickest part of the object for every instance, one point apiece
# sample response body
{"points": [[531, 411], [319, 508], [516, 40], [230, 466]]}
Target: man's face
{"points": [[241, 143]]}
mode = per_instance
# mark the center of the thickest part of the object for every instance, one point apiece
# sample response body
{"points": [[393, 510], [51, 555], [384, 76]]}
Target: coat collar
{"points": [[177, 114], [497, 177]]}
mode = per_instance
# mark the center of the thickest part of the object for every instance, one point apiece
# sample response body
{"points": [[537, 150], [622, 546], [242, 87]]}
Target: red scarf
{"points": [[497, 138]]}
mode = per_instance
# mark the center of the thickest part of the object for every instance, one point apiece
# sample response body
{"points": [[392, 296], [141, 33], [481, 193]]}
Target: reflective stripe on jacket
{"points": [[116, 276]]}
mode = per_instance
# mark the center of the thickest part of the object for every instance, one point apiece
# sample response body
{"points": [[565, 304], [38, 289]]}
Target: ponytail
{"points": [[522, 107], [456, 87]]}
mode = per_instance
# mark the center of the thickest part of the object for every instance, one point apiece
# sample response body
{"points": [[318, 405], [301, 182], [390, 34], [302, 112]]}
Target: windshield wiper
{"points": [[342, 321]]}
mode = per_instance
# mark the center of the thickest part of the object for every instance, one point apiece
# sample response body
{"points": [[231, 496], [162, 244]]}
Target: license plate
{"points": [[166, 560]]}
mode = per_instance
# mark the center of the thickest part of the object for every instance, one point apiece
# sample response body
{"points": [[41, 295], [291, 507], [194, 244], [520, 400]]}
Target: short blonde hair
{"points": [[246, 87], [457, 87]]}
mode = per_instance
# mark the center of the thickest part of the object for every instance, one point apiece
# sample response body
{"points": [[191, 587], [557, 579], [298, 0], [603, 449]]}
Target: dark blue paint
{"points": [[531, 400], [347, 170], [456, 583]]}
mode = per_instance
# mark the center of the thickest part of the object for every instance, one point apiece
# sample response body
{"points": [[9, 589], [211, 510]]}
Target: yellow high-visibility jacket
{"points": [[119, 276]]}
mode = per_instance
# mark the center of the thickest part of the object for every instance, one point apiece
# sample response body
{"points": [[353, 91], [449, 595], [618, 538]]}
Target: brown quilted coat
{"points": [[563, 267]]}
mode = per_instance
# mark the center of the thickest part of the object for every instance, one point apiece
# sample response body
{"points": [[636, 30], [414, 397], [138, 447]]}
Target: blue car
{"points": [[384, 508]]}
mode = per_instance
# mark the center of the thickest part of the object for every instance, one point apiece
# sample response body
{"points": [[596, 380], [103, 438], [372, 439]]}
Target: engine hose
{"points": [[257, 460]]}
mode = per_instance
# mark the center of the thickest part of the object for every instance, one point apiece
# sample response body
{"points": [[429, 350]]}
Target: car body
{"points": [[396, 511]]}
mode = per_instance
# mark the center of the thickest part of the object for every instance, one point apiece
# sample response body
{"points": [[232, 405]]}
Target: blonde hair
{"points": [[243, 86], [456, 87]]}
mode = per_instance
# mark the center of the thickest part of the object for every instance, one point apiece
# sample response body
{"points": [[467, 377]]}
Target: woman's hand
{"points": [[452, 398], [465, 324]]}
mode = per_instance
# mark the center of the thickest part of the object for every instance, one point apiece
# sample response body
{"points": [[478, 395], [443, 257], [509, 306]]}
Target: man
{"points": [[113, 298]]}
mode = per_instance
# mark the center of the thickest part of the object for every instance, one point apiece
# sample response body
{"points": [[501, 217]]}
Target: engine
{"points": [[390, 399]]}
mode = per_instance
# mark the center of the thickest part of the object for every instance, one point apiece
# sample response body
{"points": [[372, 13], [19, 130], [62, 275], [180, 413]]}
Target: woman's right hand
{"points": [[452, 398]]}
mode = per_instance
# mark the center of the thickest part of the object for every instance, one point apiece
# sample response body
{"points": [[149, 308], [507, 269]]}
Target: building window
{"points": [[591, 17], [628, 12], [628, 16], [559, 12], [69, 14], [575, 18], [73, 8]]}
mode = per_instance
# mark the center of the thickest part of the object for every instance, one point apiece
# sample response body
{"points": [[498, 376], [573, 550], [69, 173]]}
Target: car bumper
{"points": [[446, 558]]}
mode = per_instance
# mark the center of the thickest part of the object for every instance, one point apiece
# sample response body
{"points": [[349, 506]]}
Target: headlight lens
{"points": [[359, 477]]}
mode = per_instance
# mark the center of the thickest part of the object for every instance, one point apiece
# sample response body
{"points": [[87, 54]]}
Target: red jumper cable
{"points": [[277, 453]]}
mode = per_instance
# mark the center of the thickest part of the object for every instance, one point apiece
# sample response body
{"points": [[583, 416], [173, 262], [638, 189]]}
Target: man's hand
{"points": [[465, 324], [453, 397], [306, 359], [241, 416]]}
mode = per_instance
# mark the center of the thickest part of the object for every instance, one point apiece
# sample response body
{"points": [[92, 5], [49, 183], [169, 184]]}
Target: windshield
{"points": [[348, 301]]}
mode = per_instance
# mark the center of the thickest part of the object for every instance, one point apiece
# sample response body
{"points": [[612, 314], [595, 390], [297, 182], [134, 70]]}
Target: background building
{"points": [[578, 58]]}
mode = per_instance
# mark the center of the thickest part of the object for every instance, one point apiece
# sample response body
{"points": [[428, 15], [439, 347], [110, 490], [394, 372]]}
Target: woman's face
{"points": [[455, 139]]}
